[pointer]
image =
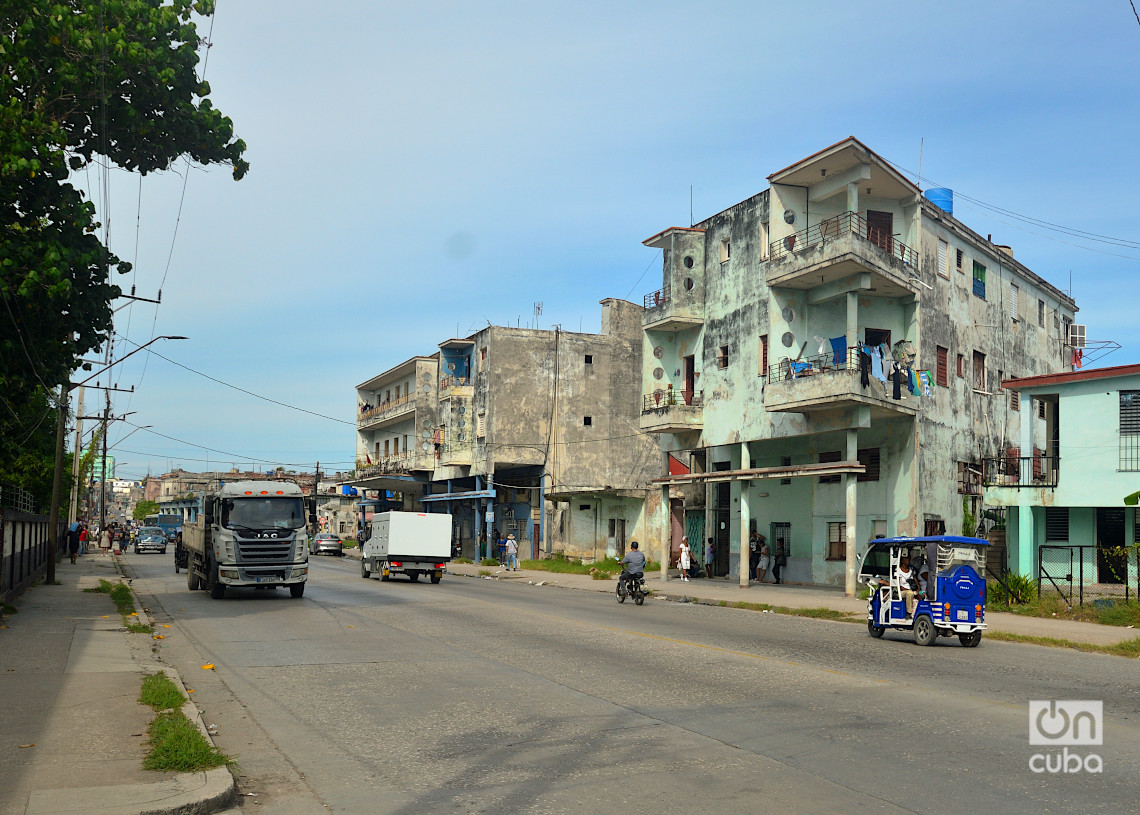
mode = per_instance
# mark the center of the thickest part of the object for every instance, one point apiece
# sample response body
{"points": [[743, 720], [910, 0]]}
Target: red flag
{"points": [[368, 459]]}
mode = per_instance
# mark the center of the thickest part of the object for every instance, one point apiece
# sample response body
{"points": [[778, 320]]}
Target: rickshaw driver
{"points": [[906, 585]]}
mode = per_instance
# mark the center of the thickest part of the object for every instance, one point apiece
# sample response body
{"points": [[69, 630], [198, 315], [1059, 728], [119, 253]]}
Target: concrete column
{"points": [[853, 197], [1026, 564], [666, 531], [852, 321], [850, 481], [710, 515], [745, 515]]}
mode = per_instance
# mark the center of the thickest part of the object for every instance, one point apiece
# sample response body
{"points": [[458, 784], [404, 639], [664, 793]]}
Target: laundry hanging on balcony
{"points": [[927, 383], [839, 349], [877, 357]]}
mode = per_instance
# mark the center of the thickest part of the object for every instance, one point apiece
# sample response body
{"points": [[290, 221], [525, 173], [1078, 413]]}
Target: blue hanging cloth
{"points": [[839, 349]]}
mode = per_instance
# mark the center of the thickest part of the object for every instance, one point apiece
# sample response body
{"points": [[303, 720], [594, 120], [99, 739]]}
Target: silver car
{"points": [[150, 539], [326, 543]]}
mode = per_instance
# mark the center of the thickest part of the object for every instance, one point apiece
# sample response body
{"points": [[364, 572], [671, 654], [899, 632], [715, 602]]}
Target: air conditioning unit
{"points": [[1077, 336]]}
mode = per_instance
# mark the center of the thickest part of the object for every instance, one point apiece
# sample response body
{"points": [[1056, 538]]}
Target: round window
{"points": [[688, 261], [688, 284], [788, 340], [789, 216]]}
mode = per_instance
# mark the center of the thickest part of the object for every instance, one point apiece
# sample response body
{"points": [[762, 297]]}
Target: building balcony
{"points": [[838, 248], [398, 464], [455, 453], [671, 411], [386, 412], [664, 312], [1022, 472], [456, 386], [831, 383]]}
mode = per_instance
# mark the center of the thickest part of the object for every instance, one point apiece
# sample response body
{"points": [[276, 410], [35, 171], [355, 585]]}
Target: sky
{"points": [[419, 170]]}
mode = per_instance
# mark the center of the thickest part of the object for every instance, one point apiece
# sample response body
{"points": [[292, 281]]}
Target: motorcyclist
{"points": [[633, 563]]}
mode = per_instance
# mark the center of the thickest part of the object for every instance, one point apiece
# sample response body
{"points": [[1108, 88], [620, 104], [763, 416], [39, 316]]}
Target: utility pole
{"points": [[57, 486], [73, 504], [103, 467]]}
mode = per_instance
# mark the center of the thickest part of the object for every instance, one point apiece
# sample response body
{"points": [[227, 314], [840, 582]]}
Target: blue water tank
{"points": [[941, 197]]}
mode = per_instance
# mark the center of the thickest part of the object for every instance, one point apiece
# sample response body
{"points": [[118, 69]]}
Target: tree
{"points": [[82, 82], [144, 508]]}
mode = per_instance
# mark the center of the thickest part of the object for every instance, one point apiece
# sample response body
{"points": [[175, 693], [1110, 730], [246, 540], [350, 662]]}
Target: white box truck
{"points": [[411, 543]]}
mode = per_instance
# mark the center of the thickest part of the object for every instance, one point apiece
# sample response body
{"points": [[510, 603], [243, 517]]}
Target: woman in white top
{"points": [[685, 560]]}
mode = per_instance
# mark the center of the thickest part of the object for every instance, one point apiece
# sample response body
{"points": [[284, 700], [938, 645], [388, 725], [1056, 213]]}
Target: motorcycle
{"points": [[631, 585]]}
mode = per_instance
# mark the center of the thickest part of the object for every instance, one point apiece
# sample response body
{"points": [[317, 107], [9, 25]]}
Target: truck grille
{"points": [[264, 550]]}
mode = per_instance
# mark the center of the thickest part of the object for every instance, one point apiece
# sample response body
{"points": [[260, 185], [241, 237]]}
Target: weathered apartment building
{"points": [[826, 359], [535, 432]]}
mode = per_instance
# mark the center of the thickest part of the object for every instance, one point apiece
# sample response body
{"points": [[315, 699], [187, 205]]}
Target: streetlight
{"points": [[57, 481]]}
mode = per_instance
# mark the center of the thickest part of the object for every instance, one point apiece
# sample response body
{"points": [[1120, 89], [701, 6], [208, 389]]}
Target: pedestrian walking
{"points": [[512, 549], [73, 542], [684, 560], [765, 562], [105, 541], [502, 542], [83, 538], [710, 557], [753, 551]]}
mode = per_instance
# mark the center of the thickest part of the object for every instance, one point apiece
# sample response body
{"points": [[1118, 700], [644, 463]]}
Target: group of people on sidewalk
{"points": [[78, 539], [760, 560]]}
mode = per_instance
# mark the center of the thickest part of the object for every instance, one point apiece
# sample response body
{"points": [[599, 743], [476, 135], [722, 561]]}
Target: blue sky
{"points": [[421, 169]]}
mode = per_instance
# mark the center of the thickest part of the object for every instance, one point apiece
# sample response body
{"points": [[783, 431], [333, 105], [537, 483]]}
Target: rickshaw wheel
{"points": [[924, 631], [875, 631], [971, 640]]}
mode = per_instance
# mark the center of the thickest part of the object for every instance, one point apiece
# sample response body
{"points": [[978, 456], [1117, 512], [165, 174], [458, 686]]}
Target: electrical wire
{"points": [[240, 389]]}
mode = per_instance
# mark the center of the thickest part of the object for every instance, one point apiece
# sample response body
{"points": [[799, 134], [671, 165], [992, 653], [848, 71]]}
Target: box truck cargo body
{"points": [[409, 543]]}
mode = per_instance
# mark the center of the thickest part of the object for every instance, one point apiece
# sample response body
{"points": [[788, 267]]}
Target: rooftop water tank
{"points": [[941, 197]]}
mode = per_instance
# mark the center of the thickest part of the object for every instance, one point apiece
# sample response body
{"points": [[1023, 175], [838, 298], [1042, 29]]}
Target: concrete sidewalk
{"points": [[716, 590], [74, 734]]}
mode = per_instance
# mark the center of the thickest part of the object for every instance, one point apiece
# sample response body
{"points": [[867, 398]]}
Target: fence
{"points": [[1082, 574], [25, 541]]}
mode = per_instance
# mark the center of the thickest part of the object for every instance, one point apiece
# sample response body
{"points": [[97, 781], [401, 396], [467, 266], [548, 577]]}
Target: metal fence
{"points": [[25, 541], [838, 226], [1085, 574], [16, 498]]}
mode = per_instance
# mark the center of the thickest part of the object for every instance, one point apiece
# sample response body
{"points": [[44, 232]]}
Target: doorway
{"points": [[617, 536], [1111, 556], [689, 382], [880, 228]]}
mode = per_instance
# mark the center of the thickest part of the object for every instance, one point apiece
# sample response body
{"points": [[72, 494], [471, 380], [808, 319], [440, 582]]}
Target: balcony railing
{"points": [[847, 223], [1021, 471], [384, 408], [657, 298], [661, 399], [811, 366]]}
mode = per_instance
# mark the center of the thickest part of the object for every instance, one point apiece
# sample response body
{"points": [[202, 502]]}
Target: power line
{"points": [[1134, 14], [242, 390]]}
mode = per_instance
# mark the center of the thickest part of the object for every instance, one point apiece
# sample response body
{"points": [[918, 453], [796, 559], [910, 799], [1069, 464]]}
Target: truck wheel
{"points": [[436, 577], [364, 568], [217, 587], [297, 590], [414, 577], [193, 582]]}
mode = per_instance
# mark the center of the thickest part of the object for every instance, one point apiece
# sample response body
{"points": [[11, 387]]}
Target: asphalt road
{"points": [[487, 696]]}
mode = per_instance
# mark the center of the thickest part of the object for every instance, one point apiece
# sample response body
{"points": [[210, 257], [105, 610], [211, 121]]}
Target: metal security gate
{"points": [[1078, 574]]}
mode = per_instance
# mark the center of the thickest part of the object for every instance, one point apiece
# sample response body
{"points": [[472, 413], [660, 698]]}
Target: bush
{"points": [[1018, 590]]}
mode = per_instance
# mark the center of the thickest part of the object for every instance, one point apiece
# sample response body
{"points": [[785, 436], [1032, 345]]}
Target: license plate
{"points": [[268, 579], [963, 615]]}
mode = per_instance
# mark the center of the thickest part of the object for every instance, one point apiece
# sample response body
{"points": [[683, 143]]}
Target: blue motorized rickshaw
{"points": [[947, 586]]}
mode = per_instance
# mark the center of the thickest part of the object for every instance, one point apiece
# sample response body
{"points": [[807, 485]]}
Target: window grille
{"points": [[836, 540], [942, 373], [1056, 524], [869, 458], [828, 457], [1129, 430]]}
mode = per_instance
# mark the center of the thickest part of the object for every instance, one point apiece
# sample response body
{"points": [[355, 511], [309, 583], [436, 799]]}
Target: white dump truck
{"points": [[249, 534], [411, 543]]}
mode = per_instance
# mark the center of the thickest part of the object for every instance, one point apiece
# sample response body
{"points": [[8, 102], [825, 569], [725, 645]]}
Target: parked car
{"points": [[326, 543], [150, 539]]}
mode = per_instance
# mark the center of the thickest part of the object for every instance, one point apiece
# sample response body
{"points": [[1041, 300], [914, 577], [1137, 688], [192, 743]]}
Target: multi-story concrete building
{"points": [[826, 357], [519, 430], [1069, 482]]}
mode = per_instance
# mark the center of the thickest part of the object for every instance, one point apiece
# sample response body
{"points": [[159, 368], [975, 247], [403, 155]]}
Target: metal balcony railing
{"points": [[848, 223], [661, 399], [453, 382], [385, 407], [655, 299], [812, 366], [1021, 471]]}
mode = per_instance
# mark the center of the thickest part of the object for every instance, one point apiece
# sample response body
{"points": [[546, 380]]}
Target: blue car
{"points": [[150, 539], [932, 586]]}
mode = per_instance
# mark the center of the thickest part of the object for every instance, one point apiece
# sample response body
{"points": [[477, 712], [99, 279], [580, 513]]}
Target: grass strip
{"points": [[1128, 648], [124, 601], [564, 565], [176, 743]]}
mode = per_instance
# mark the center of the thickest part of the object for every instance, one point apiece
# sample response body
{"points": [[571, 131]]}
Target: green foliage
{"points": [[969, 522], [1021, 591], [27, 456], [176, 745], [160, 692], [561, 564], [85, 81], [144, 508], [1129, 648]]}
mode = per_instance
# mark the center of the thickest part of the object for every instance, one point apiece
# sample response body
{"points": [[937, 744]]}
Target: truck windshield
{"points": [[263, 513]]}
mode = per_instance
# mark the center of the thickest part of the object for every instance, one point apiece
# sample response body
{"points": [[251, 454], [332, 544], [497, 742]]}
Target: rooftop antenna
{"points": [[690, 205], [919, 180], [537, 312]]}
